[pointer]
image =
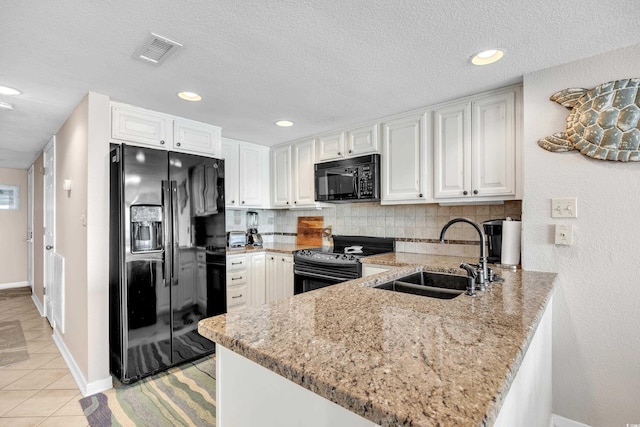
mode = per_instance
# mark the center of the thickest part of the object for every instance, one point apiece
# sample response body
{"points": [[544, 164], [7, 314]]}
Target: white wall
{"points": [[596, 345]]}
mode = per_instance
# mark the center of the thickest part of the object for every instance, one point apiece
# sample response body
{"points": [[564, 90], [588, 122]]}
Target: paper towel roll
{"points": [[511, 242]]}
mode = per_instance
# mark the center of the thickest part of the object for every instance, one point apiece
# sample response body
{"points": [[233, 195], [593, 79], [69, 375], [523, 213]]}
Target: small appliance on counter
{"points": [[253, 237], [236, 239], [493, 231]]}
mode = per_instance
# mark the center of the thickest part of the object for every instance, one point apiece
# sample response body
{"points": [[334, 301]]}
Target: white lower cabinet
{"points": [[279, 276], [238, 269], [258, 278], [371, 269]]}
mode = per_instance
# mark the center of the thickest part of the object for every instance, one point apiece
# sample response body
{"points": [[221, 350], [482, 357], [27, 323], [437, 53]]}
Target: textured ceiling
{"points": [[322, 64]]}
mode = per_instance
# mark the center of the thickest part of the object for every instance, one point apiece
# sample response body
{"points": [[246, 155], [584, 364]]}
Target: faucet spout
{"points": [[482, 264]]}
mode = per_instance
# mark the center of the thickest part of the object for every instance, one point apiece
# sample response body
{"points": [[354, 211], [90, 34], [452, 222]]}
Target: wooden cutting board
{"points": [[310, 230]]}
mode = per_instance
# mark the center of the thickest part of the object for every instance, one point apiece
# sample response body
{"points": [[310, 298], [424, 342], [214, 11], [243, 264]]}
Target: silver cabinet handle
{"points": [[48, 247]]}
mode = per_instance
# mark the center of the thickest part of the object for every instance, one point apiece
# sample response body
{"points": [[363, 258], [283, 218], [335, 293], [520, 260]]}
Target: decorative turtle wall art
{"points": [[603, 122]]}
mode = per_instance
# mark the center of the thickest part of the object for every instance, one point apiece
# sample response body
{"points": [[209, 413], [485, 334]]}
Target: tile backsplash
{"points": [[415, 227]]}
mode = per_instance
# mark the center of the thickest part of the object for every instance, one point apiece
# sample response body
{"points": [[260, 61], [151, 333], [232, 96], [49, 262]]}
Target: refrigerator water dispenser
{"points": [[146, 228]]}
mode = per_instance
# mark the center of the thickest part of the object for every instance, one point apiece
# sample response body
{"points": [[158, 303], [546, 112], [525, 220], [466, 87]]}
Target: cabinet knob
{"points": [[162, 142], [178, 144], [242, 202], [475, 191], [420, 195], [295, 202], [339, 153], [272, 258], [465, 192], [233, 201], [287, 202], [350, 151]]}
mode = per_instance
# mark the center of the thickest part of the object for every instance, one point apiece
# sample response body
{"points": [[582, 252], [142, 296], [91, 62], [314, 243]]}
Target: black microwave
{"points": [[350, 180]]}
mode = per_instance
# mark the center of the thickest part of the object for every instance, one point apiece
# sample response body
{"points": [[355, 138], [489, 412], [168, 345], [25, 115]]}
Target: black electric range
{"points": [[319, 267]]}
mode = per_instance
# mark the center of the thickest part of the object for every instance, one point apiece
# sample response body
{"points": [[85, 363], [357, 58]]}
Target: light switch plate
{"points": [[564, 234], [564, 208]]}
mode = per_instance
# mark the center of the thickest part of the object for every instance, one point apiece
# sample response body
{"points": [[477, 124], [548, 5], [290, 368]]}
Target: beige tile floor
{"points": [[39, 391]]}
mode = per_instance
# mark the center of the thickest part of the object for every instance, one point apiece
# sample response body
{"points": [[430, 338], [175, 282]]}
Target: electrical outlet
{"points": [[564, 208], [564, 234]]}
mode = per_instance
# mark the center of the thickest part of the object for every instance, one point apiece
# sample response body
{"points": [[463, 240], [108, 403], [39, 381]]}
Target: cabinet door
{"points": [[196, 137], [304, 155], [285, 276], [452, 151], [404, 158], [272, 263], [254, 176], [141, 126], [281, 176], [362, 141], [231, 156], [331, 147], [494, 156], [257, 280]]}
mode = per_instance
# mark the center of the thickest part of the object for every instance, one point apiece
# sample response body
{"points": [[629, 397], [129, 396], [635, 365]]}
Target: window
{"points": [[9, 197]]}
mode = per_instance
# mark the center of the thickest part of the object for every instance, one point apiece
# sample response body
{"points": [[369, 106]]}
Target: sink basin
{"points": [[434, 285]]}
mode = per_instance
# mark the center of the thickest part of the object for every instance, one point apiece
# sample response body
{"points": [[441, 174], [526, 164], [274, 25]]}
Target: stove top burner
{"points": [[348, 249], [323, 254]]}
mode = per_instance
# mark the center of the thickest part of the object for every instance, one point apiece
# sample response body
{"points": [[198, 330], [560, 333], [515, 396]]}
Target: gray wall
{"points": [[596, 344]]}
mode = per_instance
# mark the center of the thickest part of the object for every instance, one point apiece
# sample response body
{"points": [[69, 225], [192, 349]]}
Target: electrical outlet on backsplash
{"points": [[416, 228]]}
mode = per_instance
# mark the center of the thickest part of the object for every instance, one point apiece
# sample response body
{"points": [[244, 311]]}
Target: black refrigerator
{"points": [[167, 252]]}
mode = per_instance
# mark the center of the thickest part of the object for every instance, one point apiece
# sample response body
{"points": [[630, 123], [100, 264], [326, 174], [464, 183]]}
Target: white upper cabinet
{"points": [[149, 128], [331, 147], [452, 150], [351, 143], [404, 158], [494, 145], [196, 137], [254, 176], [475, 147], [281, 176], [363, 140], [141, 126], [303, 155], [246, 174]]}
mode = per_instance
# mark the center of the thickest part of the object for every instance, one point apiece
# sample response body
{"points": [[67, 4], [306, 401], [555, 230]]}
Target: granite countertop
{"points": [[284, 248], [396, 359]]}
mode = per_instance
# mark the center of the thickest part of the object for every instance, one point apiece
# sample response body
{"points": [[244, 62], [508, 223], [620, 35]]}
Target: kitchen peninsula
{"points": [[389, 359]]}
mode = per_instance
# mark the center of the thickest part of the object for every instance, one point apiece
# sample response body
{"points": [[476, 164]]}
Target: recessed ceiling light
{"points": [[6, 90], [487, 57], [6, 106], [284, 123], [189, 96]]}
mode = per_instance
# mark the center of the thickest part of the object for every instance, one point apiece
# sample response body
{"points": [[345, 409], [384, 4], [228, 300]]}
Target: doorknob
{"points": [[48, 247]]}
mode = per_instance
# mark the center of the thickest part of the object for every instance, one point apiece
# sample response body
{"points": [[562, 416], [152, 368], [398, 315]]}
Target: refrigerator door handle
{"points": [[168, 241], [174, 221]]}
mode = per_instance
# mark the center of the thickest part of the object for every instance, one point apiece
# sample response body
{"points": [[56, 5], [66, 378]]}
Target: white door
{"points": [[403, 160], [452, 151], [49, 228], [304, 156], [494, 158], [281, 176], [30, 227]]}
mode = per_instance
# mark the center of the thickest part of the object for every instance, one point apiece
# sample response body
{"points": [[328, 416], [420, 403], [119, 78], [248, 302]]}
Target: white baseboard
{"points": [[38, 304], [13, 285], [558, 421], [86, 388]]}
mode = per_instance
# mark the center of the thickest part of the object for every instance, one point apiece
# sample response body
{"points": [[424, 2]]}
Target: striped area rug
{"points": [[181, 396]]}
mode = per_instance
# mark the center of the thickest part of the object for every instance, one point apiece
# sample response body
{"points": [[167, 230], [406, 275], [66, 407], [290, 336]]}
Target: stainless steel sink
{"points": [[434, 285]]}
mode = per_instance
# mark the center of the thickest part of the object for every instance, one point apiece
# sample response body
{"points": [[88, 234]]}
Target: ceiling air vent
{"points": [[156, 49]]}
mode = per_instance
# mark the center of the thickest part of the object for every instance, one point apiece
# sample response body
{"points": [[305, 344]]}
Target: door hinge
{"points": [[44, 291]]}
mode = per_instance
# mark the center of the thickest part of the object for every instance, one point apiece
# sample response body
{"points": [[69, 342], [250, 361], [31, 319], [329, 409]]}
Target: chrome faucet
{"points": [[482, 273]]}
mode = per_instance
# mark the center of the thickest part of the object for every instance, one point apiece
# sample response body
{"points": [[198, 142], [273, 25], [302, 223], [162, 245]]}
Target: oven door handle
{"points": [[322, 276]]}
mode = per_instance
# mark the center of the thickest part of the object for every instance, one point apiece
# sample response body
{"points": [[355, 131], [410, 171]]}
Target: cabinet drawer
{"points": [[237, 262], [235, 278], [236, 296]]}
